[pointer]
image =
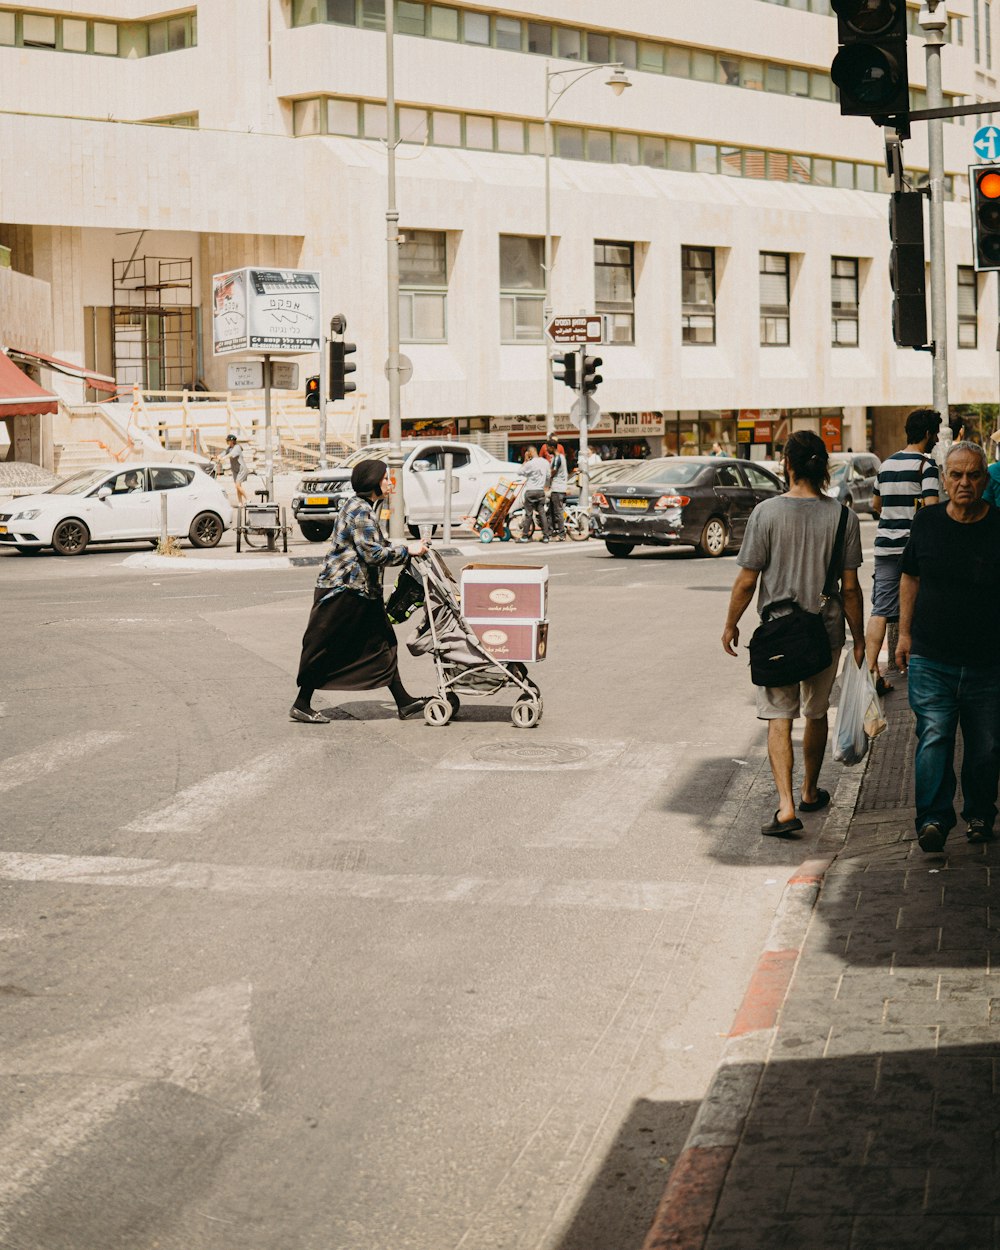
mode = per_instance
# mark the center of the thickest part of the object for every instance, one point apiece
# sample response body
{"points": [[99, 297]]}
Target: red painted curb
{"points": [[685, 1212], [765, 993], [684, 1217]]}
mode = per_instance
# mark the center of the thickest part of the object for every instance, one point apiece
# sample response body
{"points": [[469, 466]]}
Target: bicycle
{"points": [[576, 524]]}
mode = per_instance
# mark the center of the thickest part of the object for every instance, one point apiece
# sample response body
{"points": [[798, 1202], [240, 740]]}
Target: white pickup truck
{"points": [[321, 492]]}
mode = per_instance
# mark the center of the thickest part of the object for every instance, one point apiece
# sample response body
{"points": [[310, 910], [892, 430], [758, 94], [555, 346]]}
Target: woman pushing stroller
{"points": [[349, 643]]}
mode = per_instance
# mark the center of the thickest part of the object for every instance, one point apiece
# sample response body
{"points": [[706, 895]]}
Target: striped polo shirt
{"points": [[904, 479]]}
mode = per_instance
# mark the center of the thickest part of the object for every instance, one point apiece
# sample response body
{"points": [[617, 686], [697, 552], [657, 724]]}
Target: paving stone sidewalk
{"points": [[870, 1117]]}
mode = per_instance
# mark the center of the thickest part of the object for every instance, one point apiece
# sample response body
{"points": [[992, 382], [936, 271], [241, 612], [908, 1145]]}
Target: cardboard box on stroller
{"points": [[526, 641], [505, 592]]}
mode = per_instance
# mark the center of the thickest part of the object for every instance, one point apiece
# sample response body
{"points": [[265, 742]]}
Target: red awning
{"points": [[99, 381], [19, 395]]}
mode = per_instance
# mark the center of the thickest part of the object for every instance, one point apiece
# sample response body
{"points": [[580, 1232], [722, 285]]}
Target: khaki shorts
{"points": [[782, 702]]}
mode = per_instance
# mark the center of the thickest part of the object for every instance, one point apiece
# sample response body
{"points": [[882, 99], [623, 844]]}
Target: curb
{"points": [[684, 1216]]}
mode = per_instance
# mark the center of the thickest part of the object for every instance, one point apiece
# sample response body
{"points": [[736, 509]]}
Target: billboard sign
{"points": [[266, 310]]}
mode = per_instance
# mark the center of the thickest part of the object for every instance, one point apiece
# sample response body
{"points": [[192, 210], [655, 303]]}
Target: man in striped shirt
{"points": [[908, 480]]}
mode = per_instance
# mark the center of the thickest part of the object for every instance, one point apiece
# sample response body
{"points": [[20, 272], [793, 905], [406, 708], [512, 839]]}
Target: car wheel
{"points": [[206, 530], [70, 538], [714, 537], [315, 531], [621, 550]]}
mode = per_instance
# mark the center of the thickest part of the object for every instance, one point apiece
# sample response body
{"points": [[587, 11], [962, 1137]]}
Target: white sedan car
{"points": [[118, 505]]}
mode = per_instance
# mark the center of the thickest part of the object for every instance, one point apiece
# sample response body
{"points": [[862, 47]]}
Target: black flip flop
{"points": [[822, 798], [781, 828]]}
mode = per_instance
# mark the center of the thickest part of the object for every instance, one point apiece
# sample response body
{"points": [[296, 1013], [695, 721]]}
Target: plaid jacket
{"points": [[358, 552]]}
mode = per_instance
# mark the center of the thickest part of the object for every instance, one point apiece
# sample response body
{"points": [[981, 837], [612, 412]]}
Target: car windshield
{"points": [[838, 472], [665, 472], [79, 483], [363, 454]]}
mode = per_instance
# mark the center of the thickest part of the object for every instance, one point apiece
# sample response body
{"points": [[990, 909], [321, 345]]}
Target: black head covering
{"points": [[366, 477]]}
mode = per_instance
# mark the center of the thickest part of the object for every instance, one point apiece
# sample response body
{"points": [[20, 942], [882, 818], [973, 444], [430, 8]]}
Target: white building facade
{"points": [[722, 214]]}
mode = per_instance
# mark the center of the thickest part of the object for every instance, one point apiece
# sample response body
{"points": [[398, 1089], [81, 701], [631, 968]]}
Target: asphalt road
{"points": [[371, 984]]}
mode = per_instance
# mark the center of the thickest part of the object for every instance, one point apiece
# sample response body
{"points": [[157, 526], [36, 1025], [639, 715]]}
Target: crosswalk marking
{"points": [[197, 806], [18, 770], [404, 888]]}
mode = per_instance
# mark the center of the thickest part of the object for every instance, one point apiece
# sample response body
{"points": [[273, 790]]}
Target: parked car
{"points": [[852, 478], [697, 501], [115, 505], [321, 492]]}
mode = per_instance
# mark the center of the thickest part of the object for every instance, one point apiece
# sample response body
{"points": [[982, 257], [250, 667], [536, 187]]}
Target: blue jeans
{"points": [[944, 697]]}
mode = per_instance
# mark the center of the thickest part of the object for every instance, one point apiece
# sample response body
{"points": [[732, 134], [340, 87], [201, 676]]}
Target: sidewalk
{"points": [[857, 1106]]}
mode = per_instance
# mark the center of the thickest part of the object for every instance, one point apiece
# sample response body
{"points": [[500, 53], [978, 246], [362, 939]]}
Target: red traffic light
{"points": [[988, 185]]}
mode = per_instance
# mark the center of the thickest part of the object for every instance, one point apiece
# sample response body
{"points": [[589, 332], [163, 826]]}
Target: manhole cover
{"points": [[531, 755]]}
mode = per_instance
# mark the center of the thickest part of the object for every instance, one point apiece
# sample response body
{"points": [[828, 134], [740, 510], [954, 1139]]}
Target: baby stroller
{"points": [[464, 666]]}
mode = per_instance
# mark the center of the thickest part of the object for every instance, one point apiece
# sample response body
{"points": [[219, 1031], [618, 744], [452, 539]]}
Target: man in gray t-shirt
{"points": [[788, 545]]}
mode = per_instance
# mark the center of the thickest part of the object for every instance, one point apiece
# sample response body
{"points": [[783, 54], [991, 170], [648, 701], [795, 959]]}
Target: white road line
{"points": [[198, 806], [107, 870], [18, 770], [600, 813]]}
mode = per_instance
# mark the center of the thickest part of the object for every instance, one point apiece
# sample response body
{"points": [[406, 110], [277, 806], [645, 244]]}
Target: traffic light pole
{"points": [[397, 511], [584, 459], [322, 403], [933, 20]]}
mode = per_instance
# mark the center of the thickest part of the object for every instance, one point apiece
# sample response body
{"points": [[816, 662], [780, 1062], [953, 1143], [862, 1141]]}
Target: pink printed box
{"points": [[526, 641], [505, 592]]}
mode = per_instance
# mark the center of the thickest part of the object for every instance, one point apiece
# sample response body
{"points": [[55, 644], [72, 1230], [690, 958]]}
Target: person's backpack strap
{"points": [[835, 568]]}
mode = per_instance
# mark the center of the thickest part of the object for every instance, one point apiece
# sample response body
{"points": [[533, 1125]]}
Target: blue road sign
{"points": [[986, 141]]}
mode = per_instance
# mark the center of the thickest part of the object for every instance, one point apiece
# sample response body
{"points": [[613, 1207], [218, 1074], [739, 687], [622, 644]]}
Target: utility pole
{"points": [[934, 21], [397, 511]]}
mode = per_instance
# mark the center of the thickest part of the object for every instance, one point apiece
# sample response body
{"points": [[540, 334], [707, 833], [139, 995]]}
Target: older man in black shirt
{"points": [[950, 582]]}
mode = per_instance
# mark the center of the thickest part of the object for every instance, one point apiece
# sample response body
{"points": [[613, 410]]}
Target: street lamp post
{"points": [[554, 91], [395, 456]]}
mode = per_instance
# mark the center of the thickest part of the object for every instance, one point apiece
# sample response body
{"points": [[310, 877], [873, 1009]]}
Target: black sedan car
{"points": [[695, 501], [852, 478]]}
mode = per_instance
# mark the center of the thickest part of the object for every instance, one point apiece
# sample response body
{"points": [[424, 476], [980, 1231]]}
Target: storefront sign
{"points": [[639, 423], [831, 431], [762, 432], [266, 310]]}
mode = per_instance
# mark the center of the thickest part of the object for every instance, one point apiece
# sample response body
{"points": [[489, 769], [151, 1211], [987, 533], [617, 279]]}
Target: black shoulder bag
{"points": [[791, 644]]}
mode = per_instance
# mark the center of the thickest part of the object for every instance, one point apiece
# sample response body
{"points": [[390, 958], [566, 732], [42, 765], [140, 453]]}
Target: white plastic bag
{"points": [[859, 715]]}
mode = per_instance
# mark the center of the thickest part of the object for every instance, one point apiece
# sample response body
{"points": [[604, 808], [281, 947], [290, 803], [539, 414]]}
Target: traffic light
{"points": [[341, 367], [870, 68], [312, 392], [568, 365], [906, 268], [591, 378], [986, 215]]}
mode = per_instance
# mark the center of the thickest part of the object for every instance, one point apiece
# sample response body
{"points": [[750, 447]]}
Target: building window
{"points": [[988, 31], [423, 287], [968, 307], [522, 289], [775, 311], [977, 42], [698, 295], [614, 284], [844, 301]]}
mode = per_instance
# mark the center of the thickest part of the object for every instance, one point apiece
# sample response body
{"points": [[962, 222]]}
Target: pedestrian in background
{"points": [[535, 471], [908, 480], [559, 480], [951, 581], [349, 643], [789, 544], [237, 465]]}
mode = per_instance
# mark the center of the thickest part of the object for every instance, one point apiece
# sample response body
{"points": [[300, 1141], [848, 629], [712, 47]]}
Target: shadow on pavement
{"points": [[621, 1203]]}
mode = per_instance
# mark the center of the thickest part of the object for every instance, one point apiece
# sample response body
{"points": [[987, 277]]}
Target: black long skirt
{"points": [[348, 644]]}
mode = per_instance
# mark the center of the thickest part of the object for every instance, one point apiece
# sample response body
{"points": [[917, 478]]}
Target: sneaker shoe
{"points": [[979, 831], [524, 540], [545, 540], [931, 838]]}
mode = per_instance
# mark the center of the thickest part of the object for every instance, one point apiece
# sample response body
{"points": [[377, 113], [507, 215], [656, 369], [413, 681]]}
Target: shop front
{"points": [[762, 433], [628, 436]]}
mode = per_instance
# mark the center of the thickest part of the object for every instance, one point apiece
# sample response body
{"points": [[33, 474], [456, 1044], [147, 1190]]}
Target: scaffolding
{"points": [[154, 323]]}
